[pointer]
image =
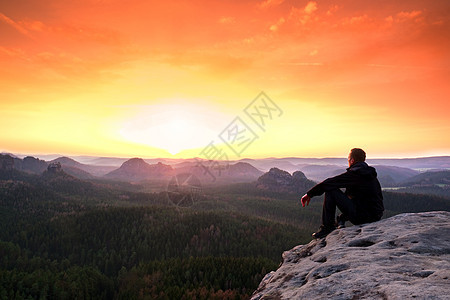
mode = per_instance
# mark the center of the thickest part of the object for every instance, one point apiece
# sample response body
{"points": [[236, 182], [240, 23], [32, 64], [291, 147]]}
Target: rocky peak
{"points": [[135, 163], [243, 167], [54, 167], [136, 169], [298, 175], [31, 164], [6, 162], [161, 168], [281, 181], [402, 257], [277, 176], [66, 161]]}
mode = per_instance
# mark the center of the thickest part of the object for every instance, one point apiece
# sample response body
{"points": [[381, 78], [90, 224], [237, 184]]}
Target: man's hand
{"points": [[305, 200]]}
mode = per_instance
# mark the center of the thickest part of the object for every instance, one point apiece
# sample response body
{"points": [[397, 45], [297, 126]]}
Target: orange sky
{"points": [[156, 78]]}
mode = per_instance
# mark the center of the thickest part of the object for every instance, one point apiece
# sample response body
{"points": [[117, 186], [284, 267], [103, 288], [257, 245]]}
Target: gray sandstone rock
{"points": [[404, 257]]}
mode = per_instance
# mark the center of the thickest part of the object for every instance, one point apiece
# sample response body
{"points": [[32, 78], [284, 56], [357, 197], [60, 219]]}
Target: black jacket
{"points": [[362, 186]]}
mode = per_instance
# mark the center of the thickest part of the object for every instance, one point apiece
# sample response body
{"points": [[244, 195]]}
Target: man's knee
{"points": [[336, 195], [335, 192]]}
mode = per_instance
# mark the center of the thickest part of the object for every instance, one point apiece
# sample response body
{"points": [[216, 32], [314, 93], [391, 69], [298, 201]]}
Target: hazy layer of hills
{"points": [[420, 163], [406, 173]]}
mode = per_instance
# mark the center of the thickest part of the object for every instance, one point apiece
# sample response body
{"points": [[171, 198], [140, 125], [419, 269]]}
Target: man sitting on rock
{"points": [[362, 201]]}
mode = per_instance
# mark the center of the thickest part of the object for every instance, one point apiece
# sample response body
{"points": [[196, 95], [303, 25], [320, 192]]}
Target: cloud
{"points": [[402, 67], [13, 24], [310, 7], [270, 3], [356, 20], [304, 15], [276, 26], [33, 25], [415, 15], [332, 10], [227, 20], [409, 15], [303, 64], [13, 52]]}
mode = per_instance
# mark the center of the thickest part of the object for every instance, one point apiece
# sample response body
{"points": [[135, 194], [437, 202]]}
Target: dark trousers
{"points": [[350, 212]]}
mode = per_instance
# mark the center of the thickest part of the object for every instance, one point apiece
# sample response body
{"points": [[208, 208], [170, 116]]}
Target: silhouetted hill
{"points": [[7, 153], [73, 167], [51, 181], [136, 169], [434, 162], [428, 178], [55, 173], [243, 171], [67, 161], [30, 164], [391, 175], [82, 171], [220, 172], [6, 162], [280, 181], [268, 163]]}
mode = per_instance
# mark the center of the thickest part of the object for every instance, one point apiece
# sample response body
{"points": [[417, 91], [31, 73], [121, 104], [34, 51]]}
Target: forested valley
{"points": [[65, 238]]}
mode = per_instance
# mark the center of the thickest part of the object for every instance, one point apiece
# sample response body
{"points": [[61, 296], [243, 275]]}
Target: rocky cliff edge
{"points": [[402, 257]]}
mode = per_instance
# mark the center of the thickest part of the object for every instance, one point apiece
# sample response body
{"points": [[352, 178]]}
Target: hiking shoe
{"points": [[323, 232], [340, 223]]}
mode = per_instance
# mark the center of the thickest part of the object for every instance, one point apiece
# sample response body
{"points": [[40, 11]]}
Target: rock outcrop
{"points": [[6, 162], [54, 167], [402, 257], [282, 182], [30, 165]]}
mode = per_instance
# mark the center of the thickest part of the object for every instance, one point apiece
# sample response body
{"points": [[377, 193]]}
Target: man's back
{"points": [[364, 188]]}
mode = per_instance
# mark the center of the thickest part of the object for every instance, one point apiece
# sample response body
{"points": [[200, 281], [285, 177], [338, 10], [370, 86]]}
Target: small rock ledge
{"points": [[402, 257]]}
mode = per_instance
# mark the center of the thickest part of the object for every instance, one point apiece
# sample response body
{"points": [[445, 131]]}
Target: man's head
{"points": [[356, 155]]}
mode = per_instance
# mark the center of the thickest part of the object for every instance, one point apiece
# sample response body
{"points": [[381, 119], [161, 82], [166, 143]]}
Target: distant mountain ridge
{"points": [[391, 172], [429, 178], [136, 169], [392, 176], [73, 167], [432, 162], [30, 164], [37, 166], [388, 176], [284, 163], [81, 170]]}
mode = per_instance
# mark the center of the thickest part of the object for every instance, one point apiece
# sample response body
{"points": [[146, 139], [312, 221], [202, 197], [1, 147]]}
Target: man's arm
{"points": [[336, 182]]}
